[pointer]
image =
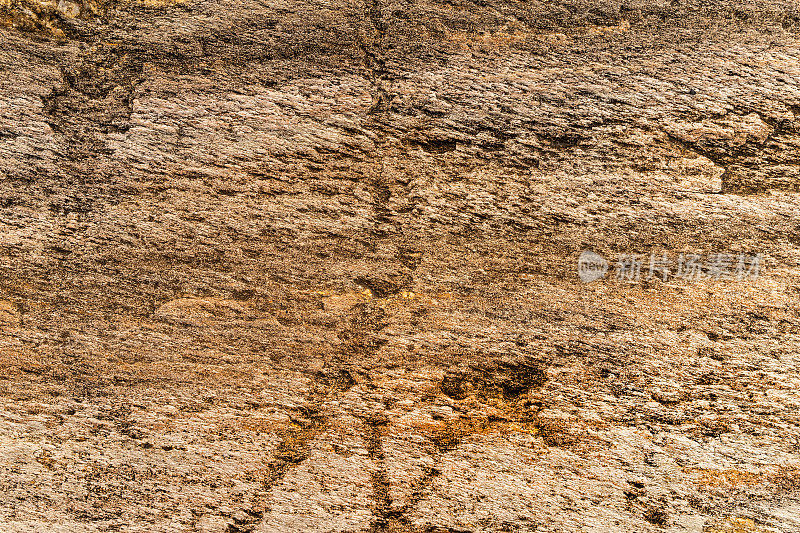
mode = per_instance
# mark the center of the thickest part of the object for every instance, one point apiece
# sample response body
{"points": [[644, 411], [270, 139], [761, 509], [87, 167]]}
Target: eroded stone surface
{"points": [[311, 266]]}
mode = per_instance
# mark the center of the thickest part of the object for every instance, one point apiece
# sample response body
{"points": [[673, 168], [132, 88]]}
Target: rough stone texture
{"points": [[311, 266]]}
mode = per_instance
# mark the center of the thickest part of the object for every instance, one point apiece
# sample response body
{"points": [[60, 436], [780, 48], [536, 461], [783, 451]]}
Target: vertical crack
{"points": [[375, 58], [372, 43], [380, 478], [294, 447], [389, 518]]}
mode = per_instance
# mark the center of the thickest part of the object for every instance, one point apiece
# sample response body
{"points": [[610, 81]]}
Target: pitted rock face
{"points": [[314, 266]]}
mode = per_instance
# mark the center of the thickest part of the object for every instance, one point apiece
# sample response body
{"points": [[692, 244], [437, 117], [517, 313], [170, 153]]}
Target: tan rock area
{"points": [[313, 266]]}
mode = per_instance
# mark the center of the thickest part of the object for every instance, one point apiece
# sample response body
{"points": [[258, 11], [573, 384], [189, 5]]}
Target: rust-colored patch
{"points": [[736, 525], [780, 478], [446, 435]]}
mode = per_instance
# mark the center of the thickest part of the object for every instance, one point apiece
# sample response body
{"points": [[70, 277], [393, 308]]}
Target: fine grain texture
{"points": [[311, 266]]}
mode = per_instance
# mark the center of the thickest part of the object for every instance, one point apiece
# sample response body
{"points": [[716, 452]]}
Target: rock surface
{"points": [[311, 266]]}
